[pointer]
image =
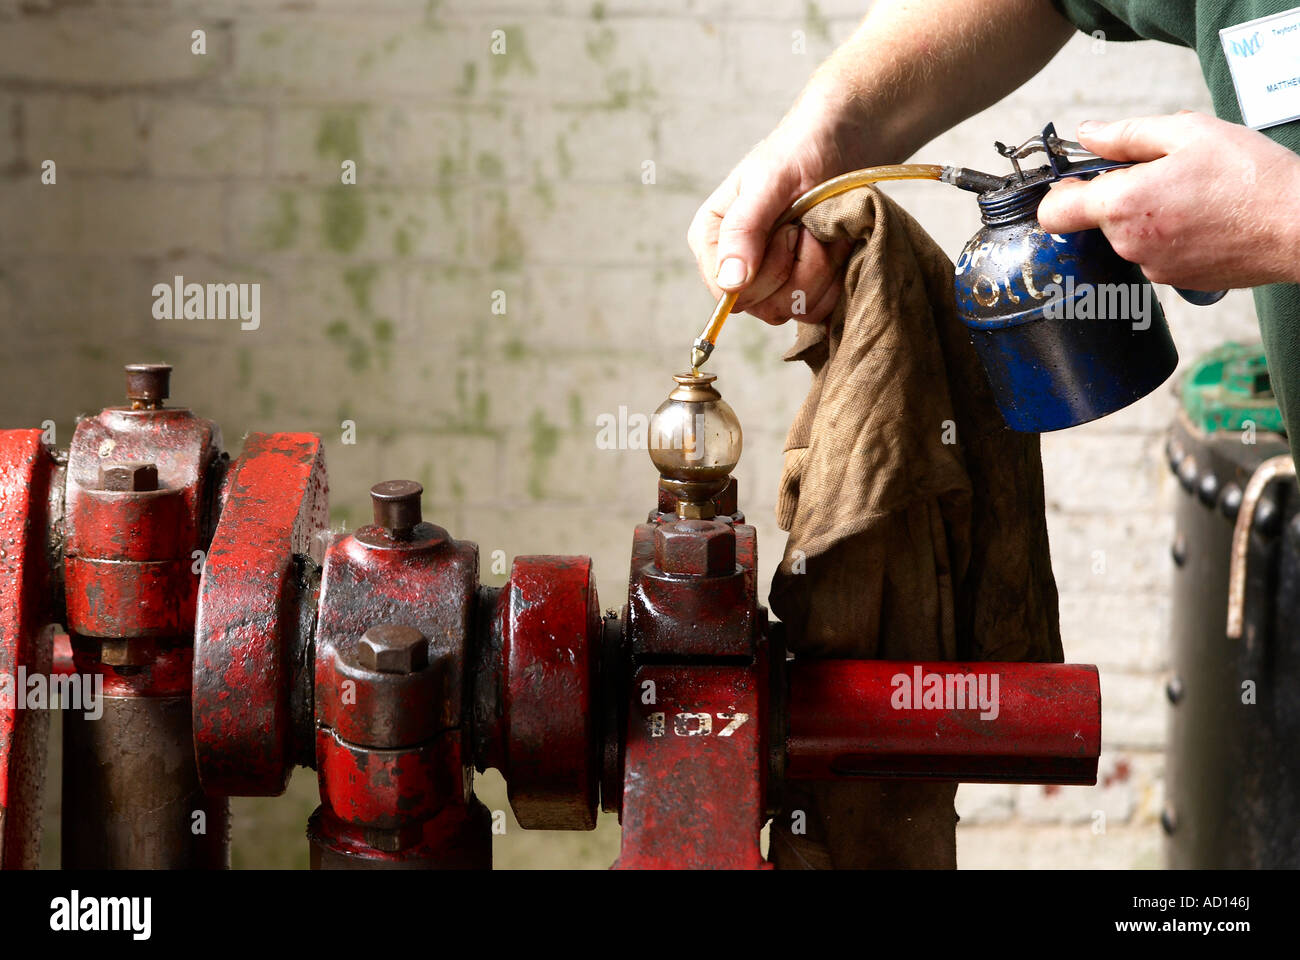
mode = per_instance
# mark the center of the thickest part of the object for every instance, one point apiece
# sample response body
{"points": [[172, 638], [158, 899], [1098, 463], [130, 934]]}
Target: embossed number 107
{"points": [[694, 724]]}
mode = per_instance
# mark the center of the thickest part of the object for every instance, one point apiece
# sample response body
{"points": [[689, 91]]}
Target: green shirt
{"points": [[1196, 24]]}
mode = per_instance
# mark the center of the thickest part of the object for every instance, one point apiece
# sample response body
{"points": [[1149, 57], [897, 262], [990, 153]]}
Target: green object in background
{"points": [[1229, 386]]}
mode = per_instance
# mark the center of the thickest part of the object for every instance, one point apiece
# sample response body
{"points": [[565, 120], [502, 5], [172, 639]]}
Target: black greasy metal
{"points": [[614, 678], [132, 798], [1232, 785], [396, 506], [148, 384]]}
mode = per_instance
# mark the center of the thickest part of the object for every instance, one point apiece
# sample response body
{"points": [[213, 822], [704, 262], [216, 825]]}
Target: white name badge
{"points": [[1264, 57]]}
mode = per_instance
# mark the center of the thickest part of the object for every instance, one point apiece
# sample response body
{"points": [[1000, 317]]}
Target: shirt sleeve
{"points": [[1091, 16]]}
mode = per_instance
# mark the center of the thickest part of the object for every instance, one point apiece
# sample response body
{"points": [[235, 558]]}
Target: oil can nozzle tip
{"points": [[700, 351]]}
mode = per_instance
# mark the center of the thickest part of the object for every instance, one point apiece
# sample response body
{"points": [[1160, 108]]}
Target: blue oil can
{"points": [[1068, 331]]}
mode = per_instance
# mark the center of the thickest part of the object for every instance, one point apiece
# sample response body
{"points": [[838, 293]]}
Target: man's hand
{"points": [[1209, 205], [732, 239]]}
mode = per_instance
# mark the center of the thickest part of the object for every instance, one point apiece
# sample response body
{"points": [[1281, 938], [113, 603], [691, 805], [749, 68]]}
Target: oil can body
{"points": [[1068, 331]]}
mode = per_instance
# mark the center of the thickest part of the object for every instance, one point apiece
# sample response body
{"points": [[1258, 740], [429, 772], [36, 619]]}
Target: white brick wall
{"points": [[522, 174]]}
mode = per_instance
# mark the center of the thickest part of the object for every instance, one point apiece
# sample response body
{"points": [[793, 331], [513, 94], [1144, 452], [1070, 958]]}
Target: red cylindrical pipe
{"points": [[975, 722]]}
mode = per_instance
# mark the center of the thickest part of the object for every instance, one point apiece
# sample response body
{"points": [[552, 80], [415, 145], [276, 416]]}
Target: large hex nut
{"points": [[393, 648], [122, 477], [699, 548]]}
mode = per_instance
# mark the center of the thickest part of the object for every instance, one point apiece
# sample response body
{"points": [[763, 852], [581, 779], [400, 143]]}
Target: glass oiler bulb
{"points": [[695, 443]]}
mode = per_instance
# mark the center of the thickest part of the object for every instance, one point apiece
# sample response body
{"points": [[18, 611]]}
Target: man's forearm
{"points": [[914, 68]]}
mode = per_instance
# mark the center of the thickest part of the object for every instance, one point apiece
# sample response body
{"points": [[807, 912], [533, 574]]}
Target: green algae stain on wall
{"points": [[343, 218], [473, 413], [489, 166], [282, 229], [816, 22], [359, 281], [468, 80], [544, 443], [509, 240], [563, 158], [361, 353], [623, 89], [515, 56], [343, 212], [601, 44], [431, 21], [337, 331], [381, 331], [542, 189], [445, 188], [339, 136], [358, 351]]}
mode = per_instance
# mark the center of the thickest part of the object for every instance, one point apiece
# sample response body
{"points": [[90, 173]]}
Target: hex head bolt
{"points": [[700, 548], [128, 477], [148, 385], [397, 507], [393, 648]]}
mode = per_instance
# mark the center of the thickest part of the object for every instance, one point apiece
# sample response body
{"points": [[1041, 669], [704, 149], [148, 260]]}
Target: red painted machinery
{"points": [[236, 639]]}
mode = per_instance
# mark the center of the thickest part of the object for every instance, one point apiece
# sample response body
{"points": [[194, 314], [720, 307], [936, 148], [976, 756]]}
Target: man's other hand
{"points": [[1208, 205]]}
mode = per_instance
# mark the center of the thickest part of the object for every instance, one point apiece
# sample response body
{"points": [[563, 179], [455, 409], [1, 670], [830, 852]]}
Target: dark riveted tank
{"points": [[1232, 787]]}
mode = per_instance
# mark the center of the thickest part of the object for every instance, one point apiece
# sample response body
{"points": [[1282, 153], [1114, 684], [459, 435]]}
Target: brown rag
{"points": [[916, 519]]}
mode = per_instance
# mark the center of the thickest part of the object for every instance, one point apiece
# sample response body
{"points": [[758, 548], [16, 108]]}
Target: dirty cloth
{"points": [[916, 520]]}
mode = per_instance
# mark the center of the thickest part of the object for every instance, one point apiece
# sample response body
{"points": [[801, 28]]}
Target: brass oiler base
{"points": [[695, 443], [694, 499]]}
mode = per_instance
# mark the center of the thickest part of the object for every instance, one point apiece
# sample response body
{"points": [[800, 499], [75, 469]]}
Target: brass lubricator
{"points": [[695, 443]]}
